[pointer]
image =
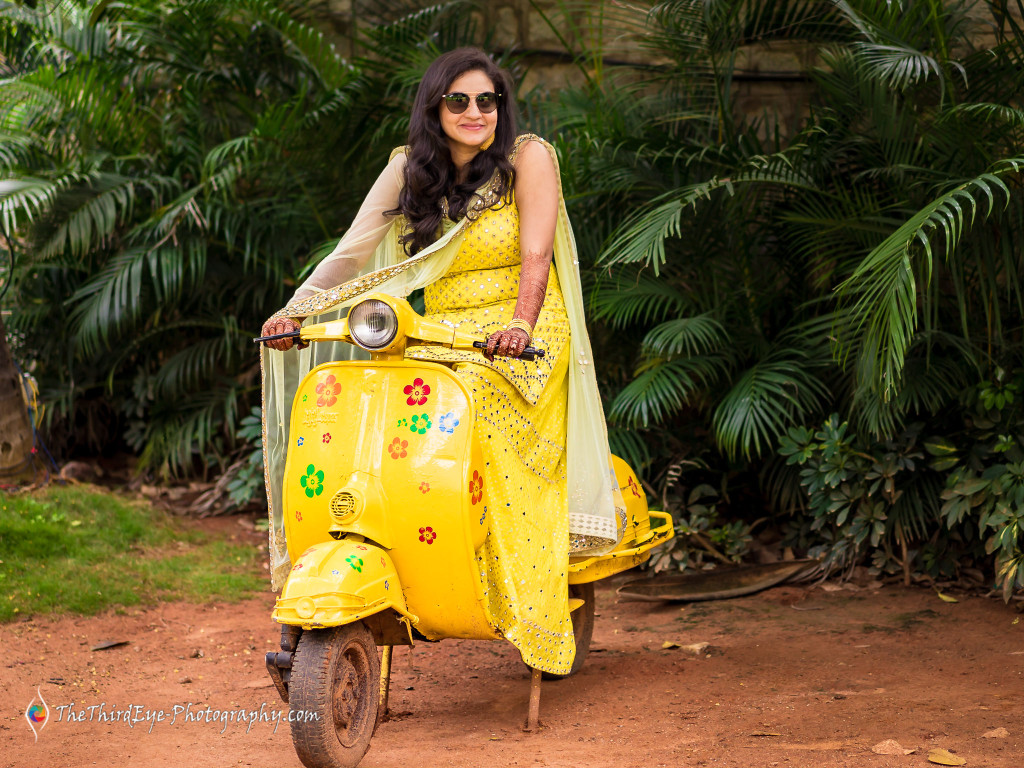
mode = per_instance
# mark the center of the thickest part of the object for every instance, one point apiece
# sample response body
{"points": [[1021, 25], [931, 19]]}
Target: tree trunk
{"points": [[16, 458]]}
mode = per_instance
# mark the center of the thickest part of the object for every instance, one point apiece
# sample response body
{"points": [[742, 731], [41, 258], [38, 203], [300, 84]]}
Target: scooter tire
{"points": [[333, 694], [582, 628]]}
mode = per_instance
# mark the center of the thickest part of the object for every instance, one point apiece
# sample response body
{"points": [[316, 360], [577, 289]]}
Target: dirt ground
{"points": [[809, 676]]}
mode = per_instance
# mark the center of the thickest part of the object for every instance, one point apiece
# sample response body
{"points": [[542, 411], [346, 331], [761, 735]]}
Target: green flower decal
{"points": [[355, 562], [313, 481], [420, 424]]}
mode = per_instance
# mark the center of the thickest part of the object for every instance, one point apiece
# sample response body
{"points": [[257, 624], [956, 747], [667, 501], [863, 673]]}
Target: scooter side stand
{"points": [[532, 724]]}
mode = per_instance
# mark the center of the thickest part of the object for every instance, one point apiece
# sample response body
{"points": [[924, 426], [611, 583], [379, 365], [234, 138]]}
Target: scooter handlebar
{"points": [[529, 353]]}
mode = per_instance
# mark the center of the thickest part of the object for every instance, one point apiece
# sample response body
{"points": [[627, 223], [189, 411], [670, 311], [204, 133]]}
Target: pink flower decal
{"points": [[417, 392], [476, 487], [397, 448], [327, 437], [427, 535], [328, 390], [424, 487]]}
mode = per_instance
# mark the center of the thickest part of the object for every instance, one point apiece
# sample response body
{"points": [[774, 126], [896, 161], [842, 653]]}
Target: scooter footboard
{"points": [[339, 582]]}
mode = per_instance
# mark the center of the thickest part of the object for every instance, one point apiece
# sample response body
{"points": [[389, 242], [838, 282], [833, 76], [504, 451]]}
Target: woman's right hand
{"points": [[277, 325]]}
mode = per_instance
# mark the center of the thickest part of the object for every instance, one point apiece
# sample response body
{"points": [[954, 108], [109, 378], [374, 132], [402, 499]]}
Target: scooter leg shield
{"points": [[339, 582]]}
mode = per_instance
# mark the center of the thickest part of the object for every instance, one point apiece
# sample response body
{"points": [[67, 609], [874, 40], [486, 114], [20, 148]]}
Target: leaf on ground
{"points": [[998, 733], [890, 747], [765, 733], [942, 757], [108, 644], [670, 644], [946, 599]]}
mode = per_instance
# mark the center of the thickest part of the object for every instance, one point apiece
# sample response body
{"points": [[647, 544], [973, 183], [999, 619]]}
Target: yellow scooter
{"points": [[382, 539]]}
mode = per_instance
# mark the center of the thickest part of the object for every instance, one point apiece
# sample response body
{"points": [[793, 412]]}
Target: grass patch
{"points": [[83, 550]]}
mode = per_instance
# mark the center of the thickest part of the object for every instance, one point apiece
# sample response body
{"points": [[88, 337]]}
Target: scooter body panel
{"points": [[339, 582], [386, 451]]}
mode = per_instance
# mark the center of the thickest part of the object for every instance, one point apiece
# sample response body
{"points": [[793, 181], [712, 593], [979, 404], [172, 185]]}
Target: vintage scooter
{"points": [[384, 509]]}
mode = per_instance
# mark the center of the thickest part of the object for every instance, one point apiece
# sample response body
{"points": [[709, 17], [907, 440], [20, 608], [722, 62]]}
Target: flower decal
{"points": [[355, 562], [448, 422], [326, 438], [386, 586], [476, 487], [634, 487], [301, 441], [397, 449], [427, 535], [424, 487], [305, 398], [313, 481], [382, 563], [329, 389], [417, 392], [298, 567], [298, 516], [335, 572], [420, 424]]}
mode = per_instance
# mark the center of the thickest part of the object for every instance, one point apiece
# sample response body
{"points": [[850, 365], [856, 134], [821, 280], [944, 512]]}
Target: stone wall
{"points": [[768, 77]]}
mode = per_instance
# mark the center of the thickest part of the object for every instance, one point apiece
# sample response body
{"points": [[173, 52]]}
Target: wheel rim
{"points": [[352, 705]]}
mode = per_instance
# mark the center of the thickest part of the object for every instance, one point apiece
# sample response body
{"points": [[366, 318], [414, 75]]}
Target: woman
{"points": [[474, 214]]}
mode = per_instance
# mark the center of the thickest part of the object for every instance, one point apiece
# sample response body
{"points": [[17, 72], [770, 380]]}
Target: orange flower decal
{"points": [[397, 448], [417, 392], [424, 487], [329, 389], [476, 487]]}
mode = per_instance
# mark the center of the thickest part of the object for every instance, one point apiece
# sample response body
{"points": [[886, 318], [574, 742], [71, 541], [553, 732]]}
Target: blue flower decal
{"points": [[300, 440], [448, 422], [335, 572]]}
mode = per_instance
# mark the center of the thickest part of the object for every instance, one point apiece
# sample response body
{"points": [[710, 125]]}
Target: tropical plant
{"points": [[867, 261], [171, 170]]}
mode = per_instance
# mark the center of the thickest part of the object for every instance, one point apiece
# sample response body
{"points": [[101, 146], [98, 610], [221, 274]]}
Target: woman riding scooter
{"points": [[473, 213]]}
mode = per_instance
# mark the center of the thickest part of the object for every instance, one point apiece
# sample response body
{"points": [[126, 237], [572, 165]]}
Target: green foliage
{"points": [[83, 550], [170, 171], [865, 259]]}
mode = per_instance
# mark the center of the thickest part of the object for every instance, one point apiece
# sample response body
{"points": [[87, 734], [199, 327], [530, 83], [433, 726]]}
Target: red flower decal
{"points": [[424, 487], [328, 390], [417, 392], [298, 566], [382, 563], [327, 437], [397, 448], [634, 487], [360, 546], [298, 515], [427, 534], [476, 487]]}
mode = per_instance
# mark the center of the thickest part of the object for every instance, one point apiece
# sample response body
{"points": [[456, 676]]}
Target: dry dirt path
{"points": [[796, 676]]}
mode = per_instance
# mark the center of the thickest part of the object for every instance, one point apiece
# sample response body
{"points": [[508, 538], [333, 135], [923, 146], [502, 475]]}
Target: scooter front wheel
{"points": [[333, 693]]}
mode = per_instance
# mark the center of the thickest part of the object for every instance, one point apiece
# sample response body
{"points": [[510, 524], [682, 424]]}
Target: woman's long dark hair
{"points": [[430, 174]]}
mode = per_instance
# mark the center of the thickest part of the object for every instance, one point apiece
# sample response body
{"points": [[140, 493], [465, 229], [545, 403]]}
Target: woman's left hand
{"points": [[507, 343]]}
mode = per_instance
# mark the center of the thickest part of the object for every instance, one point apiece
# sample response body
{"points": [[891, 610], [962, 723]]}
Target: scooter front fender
{"points": [[339, 582]]}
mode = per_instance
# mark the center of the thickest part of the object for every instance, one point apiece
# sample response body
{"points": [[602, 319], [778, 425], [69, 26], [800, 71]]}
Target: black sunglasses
{"points": [[458, 103]]}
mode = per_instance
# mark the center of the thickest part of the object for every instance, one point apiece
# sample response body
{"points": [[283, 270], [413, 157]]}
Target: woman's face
{"points": [[473, 127]]}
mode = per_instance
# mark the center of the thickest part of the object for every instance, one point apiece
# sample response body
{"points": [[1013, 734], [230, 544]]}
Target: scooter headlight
{"points": [[372, 324]]}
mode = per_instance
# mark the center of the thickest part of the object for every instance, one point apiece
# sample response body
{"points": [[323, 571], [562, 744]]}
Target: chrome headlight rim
{"points": [[363, 334]]}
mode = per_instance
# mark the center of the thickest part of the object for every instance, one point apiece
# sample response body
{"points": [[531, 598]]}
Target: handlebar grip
{"points": [[289, 335], [530, 353]]}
